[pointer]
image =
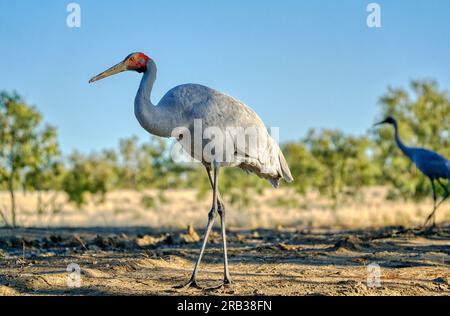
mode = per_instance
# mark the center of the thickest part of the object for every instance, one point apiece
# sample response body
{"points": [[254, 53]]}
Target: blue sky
{"points": [[299, 64]]}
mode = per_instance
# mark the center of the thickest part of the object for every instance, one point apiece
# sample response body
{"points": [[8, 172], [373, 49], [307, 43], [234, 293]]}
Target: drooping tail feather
{"points": [[285, 169], [285, 172], [270, 164]]}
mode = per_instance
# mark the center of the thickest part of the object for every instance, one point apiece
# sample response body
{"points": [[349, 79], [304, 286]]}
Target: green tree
{"points": [[147, 165], [423, 115], [94, 174], [48, 174], [27, 146], [166, 172], [236, 187], [128, 165], [345, 162], [307, 171]]}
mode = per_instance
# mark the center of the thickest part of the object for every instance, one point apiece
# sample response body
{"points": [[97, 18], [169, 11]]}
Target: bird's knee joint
{"points": [[212, 214]]}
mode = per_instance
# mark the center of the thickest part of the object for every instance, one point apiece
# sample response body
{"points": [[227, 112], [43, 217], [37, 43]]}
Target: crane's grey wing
{"points": [[218, 110], [254, 149]]}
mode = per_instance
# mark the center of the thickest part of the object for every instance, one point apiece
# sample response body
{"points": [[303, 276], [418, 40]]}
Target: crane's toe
{"points": [[432, 229], [226, 283], [191, 284], [433, 224]]}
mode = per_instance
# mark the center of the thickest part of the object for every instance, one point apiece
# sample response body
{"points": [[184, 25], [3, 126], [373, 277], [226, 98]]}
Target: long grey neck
{"points": [[154, 119], [405, 149]]}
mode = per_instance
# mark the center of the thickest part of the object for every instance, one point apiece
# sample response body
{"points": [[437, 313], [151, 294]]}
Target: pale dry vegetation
{"points": [[179, 208]]}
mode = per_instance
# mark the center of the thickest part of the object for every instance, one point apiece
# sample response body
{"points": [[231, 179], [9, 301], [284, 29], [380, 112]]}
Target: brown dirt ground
{"points": [[143, 261]]}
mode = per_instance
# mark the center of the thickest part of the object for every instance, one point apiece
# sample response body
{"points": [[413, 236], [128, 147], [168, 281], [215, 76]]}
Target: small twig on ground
{"points": [[41, 277], [140, 282]]}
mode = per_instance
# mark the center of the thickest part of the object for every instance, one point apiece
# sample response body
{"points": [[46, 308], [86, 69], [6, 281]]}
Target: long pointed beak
{"points": [[379, 123], [120, 67]]}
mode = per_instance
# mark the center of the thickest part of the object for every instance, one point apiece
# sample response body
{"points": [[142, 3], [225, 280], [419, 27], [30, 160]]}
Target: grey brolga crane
{"points": [[431, 164], [176, 115]]}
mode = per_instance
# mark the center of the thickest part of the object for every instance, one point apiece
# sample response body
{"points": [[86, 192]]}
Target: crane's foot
{"points": [[191, 284], [429, 230], [425, 225], [226, 283], [433, 223]]}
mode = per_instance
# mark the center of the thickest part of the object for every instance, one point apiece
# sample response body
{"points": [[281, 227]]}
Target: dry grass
{"points": [[177, 209]]}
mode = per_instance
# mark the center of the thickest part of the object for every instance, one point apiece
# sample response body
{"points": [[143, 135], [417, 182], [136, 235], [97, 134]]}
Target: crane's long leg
{"points": [[193, 280], [221, 211], [446, 195], [211, 216], [226, 271], [434, 202], [220, 203]]}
